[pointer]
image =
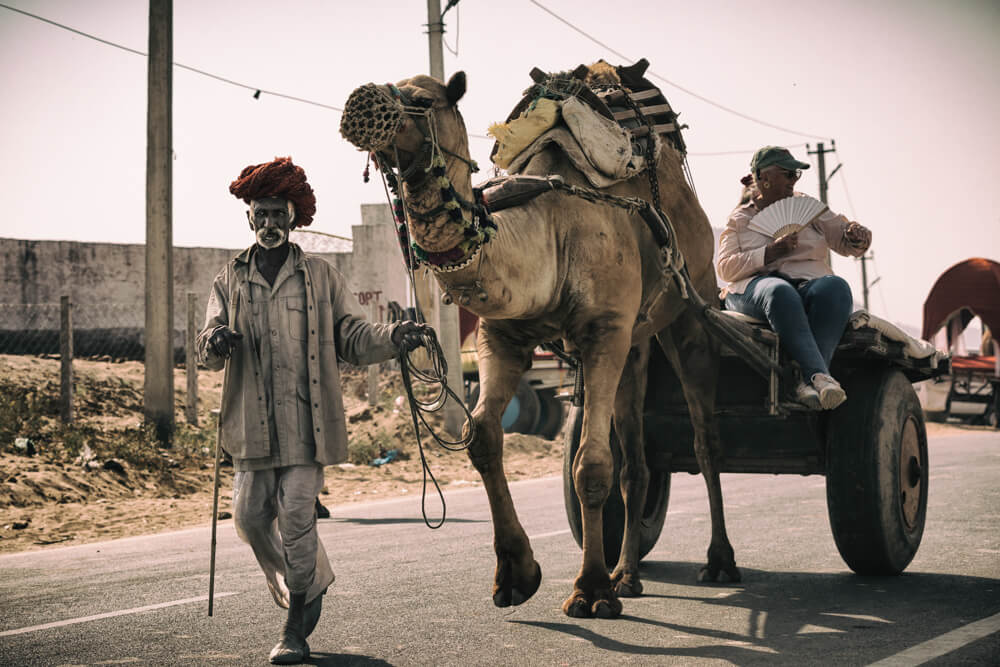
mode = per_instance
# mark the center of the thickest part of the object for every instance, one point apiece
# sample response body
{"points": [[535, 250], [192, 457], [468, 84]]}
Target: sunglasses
{"points": [[792, 174]]}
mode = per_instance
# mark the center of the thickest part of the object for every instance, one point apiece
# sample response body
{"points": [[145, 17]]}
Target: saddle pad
{"points": [[514, 136], [567, 143], [607, 145]]}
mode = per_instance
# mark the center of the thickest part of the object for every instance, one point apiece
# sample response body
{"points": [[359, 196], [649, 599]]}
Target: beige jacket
{"points": [[308, 328], [741, 249]]}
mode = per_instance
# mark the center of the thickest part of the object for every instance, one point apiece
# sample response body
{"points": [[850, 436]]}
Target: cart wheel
{"points": [[653, 514], [876, 473], [521, 414], [991, 417], [551, 418]]}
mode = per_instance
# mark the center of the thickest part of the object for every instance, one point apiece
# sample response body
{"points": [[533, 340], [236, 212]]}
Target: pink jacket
{"points": [[741, 250]]}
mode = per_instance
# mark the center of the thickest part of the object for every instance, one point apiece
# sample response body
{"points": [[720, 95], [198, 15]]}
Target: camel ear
{"points": [[456, 87]]}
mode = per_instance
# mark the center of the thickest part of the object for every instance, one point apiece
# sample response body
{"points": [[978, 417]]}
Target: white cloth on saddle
{"points": [[513, 137], [914, 347], [599, 147]]}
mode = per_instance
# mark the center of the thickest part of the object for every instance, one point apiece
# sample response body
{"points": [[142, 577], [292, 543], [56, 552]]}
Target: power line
{"points": [[744, 152], [261, 91], [73, 30], [847, 193], [671, 83], [720, 153], [458, 27], [865, 284], [257, 91], [881, 292]]}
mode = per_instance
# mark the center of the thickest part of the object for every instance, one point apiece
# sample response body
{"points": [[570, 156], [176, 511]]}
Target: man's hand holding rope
{"points": [[223, 341], [409, 335]]}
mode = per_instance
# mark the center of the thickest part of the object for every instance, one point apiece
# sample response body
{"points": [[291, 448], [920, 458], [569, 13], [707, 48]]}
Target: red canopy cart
{"points": [[967, 290]]}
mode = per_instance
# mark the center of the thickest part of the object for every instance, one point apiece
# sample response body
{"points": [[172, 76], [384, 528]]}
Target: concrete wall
{"points": [[377, 273], [106, 281]]}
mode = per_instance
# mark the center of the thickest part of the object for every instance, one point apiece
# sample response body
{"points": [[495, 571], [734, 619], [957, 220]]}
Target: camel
{"points": [[557, 268]]}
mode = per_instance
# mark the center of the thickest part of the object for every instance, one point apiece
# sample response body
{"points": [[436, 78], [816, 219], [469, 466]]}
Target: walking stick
{"points": [[215, 511]]}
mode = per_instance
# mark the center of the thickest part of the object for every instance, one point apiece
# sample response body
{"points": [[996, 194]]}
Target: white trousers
{"points": [[275, 513]]}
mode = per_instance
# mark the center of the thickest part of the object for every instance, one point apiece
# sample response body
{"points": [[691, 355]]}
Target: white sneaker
{"points": [[831, 394], [807, 396]]}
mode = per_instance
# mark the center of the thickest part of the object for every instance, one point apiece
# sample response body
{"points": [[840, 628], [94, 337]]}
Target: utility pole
{"points": [[823, 181], [446, 322], [435, 36], [820, 154], [158, 397]]}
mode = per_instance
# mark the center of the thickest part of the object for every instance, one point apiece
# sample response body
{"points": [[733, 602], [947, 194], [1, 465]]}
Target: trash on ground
{"points": [[388, 457]]}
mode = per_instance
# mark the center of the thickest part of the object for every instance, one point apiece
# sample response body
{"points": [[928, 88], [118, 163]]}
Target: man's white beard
{"points": [[280, 236]]}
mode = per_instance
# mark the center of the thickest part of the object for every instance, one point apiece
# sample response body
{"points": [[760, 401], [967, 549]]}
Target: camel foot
{"points": [[507, 591], [604, 604], [721, 560], [626, 584]]}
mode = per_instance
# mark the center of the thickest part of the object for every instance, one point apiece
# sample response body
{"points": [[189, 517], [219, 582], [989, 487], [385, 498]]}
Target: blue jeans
{"points": [[809, 318]]}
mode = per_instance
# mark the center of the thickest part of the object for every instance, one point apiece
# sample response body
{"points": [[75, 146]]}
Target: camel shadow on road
{"points": [[344, 660], [399, 520], [788, 615]]}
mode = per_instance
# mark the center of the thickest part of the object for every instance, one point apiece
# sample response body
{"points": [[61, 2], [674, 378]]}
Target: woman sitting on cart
{"points": [[788, 281]]}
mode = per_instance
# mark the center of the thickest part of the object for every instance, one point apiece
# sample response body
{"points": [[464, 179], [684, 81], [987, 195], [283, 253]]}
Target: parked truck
{"points": [[537, 407]]}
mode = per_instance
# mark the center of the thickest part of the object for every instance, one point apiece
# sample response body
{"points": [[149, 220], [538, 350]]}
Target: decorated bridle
{"points": [[373, 116]]}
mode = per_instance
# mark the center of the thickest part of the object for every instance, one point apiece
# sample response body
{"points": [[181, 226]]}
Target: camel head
{"points": [[418, 139], [403, 124]]}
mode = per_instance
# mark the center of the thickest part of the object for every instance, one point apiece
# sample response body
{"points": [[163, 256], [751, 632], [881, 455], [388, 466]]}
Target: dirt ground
{"points": [[131, 487], [104, 478]]}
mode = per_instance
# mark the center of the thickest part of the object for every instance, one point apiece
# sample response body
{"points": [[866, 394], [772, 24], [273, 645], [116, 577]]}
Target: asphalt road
{"points": [[407, 595]]}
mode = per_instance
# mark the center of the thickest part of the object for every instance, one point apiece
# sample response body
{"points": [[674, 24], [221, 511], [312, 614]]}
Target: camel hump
{"points": [[622, 94]]}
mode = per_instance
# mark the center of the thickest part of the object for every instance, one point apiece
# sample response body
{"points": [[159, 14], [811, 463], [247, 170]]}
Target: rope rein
{"points": [[436, 376]]}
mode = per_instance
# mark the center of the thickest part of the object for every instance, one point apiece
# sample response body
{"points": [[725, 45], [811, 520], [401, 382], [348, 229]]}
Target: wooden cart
{"points": [[872, 449]]}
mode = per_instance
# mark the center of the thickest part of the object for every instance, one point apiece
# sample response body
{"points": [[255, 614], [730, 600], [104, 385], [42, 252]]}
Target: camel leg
{"points": [[695, 358], [634, 474], [501, 365], [592, 468]]}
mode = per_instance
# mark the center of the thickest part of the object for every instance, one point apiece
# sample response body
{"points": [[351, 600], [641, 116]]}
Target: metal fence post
{"points": [[373, 369], [66, 360], [191, 361]]}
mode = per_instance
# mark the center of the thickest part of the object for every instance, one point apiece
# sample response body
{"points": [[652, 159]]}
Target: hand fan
{"points": [[787, 216]]}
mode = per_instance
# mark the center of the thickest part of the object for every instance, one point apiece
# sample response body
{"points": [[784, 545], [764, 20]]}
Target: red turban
{"points": [[279, 178]]}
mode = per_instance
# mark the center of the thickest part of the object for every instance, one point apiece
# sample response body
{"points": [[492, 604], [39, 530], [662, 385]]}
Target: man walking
{"points": [[278, 320]]}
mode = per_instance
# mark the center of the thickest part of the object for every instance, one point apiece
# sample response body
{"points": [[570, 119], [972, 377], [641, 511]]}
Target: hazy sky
{"points": [[909, 90]]}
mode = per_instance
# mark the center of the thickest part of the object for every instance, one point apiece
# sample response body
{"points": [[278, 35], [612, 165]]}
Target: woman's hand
{"points": [[781, 247], [858, 236]]}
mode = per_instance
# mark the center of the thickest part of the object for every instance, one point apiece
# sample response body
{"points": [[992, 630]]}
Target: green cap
{"points": [[775, 156]]}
